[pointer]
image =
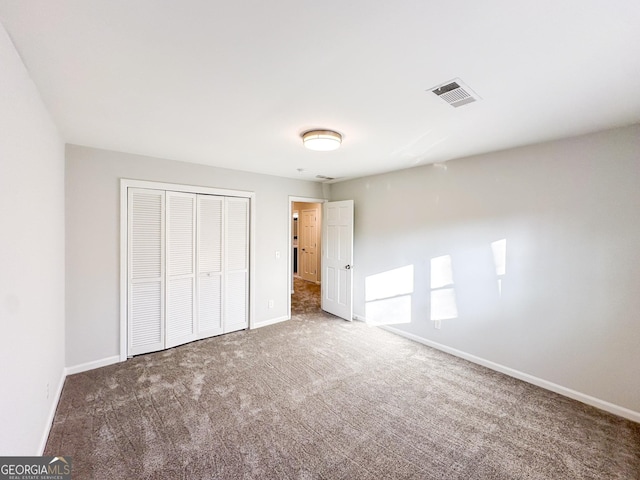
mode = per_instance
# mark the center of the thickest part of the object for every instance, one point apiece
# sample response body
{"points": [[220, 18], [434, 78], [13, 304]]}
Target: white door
{"points": [[236, 269], [337, 258], [181, 269], [308, 244], [210, 255], [145, 288]]}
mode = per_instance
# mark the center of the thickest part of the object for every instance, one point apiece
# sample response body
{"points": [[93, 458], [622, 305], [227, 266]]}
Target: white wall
{"points": [[31, 259], [570, 213], [93, 236]]}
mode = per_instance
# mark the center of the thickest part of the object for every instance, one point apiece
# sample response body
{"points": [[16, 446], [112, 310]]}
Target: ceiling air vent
{"points": [[455, 93], [324, 177]]}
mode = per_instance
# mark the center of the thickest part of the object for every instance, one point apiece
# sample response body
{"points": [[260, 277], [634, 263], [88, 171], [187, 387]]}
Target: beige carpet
{"points": [[321, 398]]}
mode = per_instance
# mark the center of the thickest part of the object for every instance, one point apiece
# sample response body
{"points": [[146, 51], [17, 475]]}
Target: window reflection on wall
{"points": [[388, 296], [499, 249], [443, 296]]}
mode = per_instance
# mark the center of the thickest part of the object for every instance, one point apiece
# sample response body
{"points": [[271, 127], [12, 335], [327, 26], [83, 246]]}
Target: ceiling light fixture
{"points": [[321, 140]]}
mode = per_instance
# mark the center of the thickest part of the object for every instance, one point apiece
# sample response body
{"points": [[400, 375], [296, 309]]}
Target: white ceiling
{"points": [[234, 83]]}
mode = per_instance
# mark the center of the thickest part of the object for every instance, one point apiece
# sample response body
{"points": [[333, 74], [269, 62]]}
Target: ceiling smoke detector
{"points": [[455, 93]]}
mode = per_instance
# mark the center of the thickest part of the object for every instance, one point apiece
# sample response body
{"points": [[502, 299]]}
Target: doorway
{"points": [[305, 252], [335, 262]]}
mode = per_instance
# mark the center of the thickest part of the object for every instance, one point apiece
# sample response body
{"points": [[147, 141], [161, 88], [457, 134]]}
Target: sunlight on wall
{"points": [[443, 297], [388, 296], [499, 249], [441, 271]]}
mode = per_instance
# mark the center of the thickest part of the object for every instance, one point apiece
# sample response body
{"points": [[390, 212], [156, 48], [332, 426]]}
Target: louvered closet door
{"points": [[236, 281], [181, 269], [145, 302], [210, 255]]}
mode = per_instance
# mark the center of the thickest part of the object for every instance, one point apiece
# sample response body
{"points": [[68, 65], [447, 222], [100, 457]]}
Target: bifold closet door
{"points": [[236, 267], [188, 267], [145, 289], [210, 264], [181, 269]]}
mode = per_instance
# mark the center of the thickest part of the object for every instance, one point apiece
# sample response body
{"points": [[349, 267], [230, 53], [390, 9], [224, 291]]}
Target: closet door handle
{"points": [[347, 267]]}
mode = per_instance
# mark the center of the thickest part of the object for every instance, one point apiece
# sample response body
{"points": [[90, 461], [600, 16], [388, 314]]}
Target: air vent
{"points": [[455, 93], [324, 177]]}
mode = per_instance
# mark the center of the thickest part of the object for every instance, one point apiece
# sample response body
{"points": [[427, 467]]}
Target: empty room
{"points": [[358, 240]]}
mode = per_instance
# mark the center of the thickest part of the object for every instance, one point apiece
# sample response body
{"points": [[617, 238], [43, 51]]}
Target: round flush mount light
{"points": [[321, 140]]}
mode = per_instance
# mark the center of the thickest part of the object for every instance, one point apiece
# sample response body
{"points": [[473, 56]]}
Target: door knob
{"points": [[347, 267]]}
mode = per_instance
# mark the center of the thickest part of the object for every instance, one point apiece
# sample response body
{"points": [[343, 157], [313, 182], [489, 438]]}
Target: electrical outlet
{"points": [[437, 324], [270, 303]]}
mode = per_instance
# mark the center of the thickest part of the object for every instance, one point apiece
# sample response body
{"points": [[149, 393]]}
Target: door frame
{"points": [[292, 199], [125, 184]]}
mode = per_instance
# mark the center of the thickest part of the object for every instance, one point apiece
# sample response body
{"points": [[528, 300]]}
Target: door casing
{"points": [[292, 200]]}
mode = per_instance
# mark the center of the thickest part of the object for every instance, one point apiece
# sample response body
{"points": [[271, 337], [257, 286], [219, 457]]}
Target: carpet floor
{"points": [[320, 398]]}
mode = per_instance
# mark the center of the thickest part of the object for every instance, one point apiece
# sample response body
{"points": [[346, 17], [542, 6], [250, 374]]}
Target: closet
{"points": [[187, 267]]}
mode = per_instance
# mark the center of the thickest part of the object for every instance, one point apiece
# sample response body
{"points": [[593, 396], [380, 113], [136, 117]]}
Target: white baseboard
{"points": [[271, 321], [83, 367], [52, 413], [554, 387]]}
